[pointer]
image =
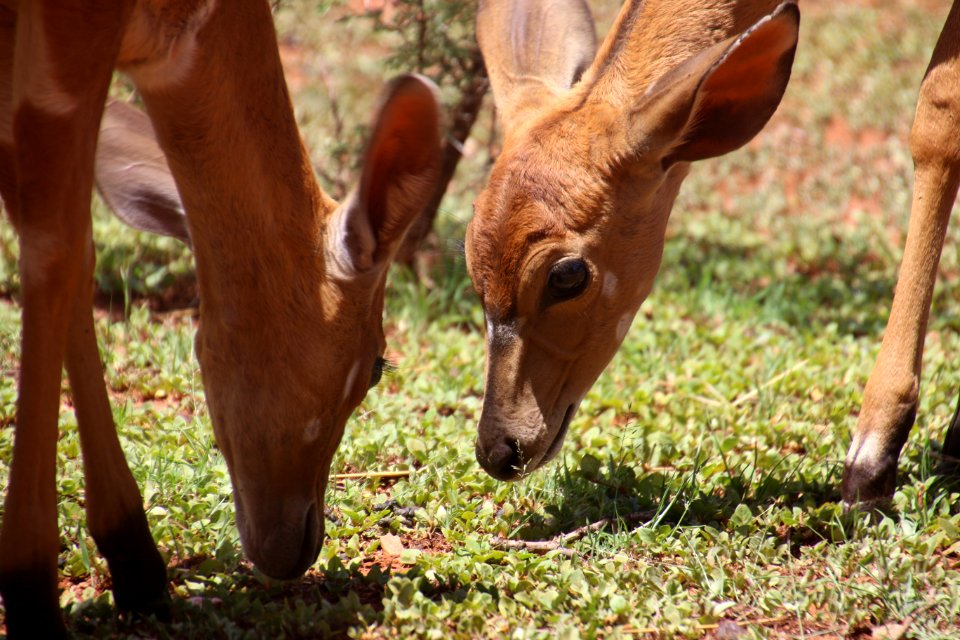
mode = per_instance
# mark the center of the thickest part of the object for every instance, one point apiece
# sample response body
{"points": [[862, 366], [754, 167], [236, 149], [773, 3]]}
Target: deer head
{"points": [[567, 236], [291, 286]]}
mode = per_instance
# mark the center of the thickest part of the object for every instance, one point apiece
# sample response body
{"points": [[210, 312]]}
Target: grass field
{"points": [[713, 444]]}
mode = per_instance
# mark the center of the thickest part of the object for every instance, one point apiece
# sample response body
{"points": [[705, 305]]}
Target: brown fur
{"points": [[893, 391], [590, 169], [609, 154], [291, 284]]}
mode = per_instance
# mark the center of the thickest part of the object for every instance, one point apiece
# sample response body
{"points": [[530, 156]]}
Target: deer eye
{"points": [[377, 372], [380, 366], [568, 278]]}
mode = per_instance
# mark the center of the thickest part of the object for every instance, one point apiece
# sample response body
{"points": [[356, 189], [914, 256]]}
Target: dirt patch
{"points": [[431, 543]]}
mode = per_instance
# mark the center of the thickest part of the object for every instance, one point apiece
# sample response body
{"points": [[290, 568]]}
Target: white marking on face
{"points": [[312, 432], [609, 285], [37, 85], [623, 325], [173, 59], [351, 378]]}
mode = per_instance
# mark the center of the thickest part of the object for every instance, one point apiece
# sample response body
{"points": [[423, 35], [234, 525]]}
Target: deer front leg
{"points": [[114, 506], [28, 535], [29, 538], [893, 390], [58, 84]]}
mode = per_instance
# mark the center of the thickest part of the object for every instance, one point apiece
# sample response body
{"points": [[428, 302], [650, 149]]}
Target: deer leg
{"points": [[114, 506], [56, 98], [893, 390], [29, 538]]}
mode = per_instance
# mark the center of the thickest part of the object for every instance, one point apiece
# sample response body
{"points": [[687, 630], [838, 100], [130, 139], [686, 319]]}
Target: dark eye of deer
{"points": [[568, 278], [377, 372]]}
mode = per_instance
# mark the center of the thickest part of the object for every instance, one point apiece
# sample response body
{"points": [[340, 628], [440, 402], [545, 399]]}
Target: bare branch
{"points": [[557, 542]]}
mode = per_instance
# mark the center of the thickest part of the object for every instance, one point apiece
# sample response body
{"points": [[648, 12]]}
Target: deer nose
{"points": [[502, 460], [285, 550]]}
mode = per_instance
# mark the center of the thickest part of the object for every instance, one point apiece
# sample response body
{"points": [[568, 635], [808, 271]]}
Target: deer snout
{"points": [[501, 458], [510, 451], [282, 545]]}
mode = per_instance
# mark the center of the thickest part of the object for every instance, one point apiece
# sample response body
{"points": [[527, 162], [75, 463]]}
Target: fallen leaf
{"points": [[392, 545], [891, 631]]}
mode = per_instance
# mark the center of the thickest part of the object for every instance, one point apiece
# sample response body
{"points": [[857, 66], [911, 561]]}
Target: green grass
{"points": [[722, 422]]}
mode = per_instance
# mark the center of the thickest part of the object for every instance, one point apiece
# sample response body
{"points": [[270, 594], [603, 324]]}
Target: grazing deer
{"points": [[568, 234], [292, 285]]}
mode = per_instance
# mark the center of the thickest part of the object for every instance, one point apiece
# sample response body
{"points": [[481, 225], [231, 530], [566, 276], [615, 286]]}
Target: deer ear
{"points": [[533, 52], [400, 174], [132, 174], [722, 97]]}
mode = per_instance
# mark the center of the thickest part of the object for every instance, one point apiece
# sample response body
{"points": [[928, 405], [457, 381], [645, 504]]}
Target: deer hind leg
{"points": [[51, 116], [892, 393]]}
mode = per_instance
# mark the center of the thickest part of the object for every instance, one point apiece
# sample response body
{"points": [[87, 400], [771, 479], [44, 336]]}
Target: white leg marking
{"points": [[865, 452]]}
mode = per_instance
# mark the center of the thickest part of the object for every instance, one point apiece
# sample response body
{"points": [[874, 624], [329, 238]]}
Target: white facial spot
{"points": [[623, 325], [351, 378], [312, 432], [37, 84], [609, 285]]}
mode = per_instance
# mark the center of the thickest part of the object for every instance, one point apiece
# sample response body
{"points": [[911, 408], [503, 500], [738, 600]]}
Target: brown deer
{"points": [[567, 236], [291, 284], [568, 233]]}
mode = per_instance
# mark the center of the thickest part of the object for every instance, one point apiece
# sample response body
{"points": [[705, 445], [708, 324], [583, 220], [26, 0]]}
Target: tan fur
{"points": [[590, 169], [893, 391], [291, 285]]}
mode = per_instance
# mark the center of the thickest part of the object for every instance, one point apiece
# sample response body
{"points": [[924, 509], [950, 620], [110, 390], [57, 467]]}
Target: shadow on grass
{"points": [[734, 502], [174, 293], [675, 498], [233, 602], [851, 288]]}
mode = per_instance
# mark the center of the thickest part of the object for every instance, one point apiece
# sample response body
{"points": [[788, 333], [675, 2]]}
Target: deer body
{"points": [[291, 284], [568, 233]]}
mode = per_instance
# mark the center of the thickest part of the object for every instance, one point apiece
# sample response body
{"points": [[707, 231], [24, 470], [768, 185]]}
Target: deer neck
{"points": [[256, 214]]}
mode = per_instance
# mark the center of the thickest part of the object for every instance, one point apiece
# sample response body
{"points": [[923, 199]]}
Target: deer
{"points": [[291, 283], [567, 234]]}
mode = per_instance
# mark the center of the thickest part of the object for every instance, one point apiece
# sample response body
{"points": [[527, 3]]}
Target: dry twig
{"points": [[372, 474], [707, 627], [557, 542]]}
